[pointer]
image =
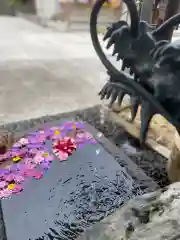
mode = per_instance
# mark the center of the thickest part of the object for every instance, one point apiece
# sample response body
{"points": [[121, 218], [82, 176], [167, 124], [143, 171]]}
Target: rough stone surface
{"points": [[153, 216]]}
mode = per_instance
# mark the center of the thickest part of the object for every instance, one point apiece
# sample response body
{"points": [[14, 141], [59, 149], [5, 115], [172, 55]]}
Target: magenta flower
{"points": [[64, 148], [3, 184], [17, 189], [35, 174], [4, 193], [29, 163], [38, 158], [13, 178]]}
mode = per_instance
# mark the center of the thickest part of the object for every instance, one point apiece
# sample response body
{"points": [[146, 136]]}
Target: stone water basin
{"points": [[75, 192]]}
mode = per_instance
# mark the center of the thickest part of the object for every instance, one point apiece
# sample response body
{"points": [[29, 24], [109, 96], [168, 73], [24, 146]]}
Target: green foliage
{"points": [[13, 2]]}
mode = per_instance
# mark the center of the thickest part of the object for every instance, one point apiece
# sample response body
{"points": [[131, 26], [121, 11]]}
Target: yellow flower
{"points": [[45, 154], [57, 132], [74, 127], [16, 159], [11, 186]]}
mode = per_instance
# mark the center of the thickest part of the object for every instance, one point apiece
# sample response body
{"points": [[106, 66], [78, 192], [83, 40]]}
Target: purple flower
{"points": [[45, 165]]}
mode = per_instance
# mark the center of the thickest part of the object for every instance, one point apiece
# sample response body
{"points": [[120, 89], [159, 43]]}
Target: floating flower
{"points": [[19, 179], [35, 174], [63, 148], [83, 137], [23, 141], [45, 165], [4, 193], [9, 178], [38, 158], [35, 145], [30, 154], [11, 186], [42, 139], [17, 145], [3, 184], [56, 132], [48, 157], [30, 164], [4, 172], [17, 189], [15, 178], [45, 154], [16, 159]]}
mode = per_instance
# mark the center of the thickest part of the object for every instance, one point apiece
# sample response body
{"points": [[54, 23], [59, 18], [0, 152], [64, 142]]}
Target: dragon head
{"points": [[133, 51]]}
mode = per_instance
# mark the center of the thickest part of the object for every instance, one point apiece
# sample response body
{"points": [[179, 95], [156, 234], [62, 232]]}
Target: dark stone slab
{"points": [[74, 194]]}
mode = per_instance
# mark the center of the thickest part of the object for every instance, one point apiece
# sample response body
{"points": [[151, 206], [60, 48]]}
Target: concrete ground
{"points": [[45, 72]]}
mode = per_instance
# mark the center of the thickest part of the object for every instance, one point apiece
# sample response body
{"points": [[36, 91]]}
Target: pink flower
{"points": [[19, 179], [3, 184], [5, 193], [49, 158], [41, 138], [9, 178], [23, 141], [38, 158], [13, 177], [30, 164], [33, 151], [35, 174], [23, 170], [17, 145], [17, 189]]}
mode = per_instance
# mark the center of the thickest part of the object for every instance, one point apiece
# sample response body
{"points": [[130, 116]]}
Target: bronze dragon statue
{"points": [[153, 61]]}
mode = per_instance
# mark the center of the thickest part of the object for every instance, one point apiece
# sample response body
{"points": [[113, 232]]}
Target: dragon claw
{"points": [[107, 34], [159, 44], [134, 101], [114, 95], [103, 92], [109, 92], [121, 95], [118, 57], [114, 51], [110, 43], [146, 115], [123, 67], [131, 72]]}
